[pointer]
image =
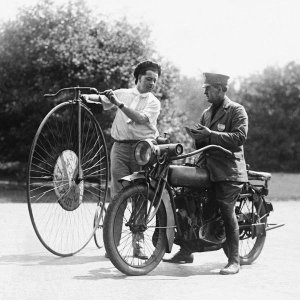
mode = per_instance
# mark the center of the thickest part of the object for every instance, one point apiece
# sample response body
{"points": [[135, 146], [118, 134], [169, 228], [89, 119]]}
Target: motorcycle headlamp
{"points": [[147, 152], [172, 149]]}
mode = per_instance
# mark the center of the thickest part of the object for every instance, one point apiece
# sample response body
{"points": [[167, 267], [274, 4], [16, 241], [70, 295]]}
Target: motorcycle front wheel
{"points": [[134, 245], [250, 211]]}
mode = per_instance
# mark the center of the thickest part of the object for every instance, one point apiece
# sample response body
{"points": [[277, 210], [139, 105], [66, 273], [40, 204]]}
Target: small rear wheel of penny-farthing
{"points": [[98, 222], [66, 193]]}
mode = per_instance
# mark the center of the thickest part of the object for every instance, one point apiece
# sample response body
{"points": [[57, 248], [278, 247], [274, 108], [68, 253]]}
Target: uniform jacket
{"points": [[229, 129]]}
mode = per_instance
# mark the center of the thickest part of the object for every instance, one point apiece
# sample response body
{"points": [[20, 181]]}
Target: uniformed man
{"points": [[224, 123]]}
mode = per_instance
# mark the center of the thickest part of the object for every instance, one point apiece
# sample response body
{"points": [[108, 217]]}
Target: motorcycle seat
{"points": [[253, 175]]}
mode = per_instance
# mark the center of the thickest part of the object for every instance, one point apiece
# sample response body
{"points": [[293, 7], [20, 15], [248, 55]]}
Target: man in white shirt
{"points": [[136, 119]]}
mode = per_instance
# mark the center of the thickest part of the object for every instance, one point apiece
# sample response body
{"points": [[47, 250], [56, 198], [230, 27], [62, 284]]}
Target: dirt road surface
{"points": [[29, 271]]}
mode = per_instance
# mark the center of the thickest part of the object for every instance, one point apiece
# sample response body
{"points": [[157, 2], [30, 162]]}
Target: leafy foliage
{"points": [[272, 102], [50, 47], [184, 110], [190, 98]]}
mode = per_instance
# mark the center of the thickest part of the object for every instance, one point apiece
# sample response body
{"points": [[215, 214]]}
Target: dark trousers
{"points": [[225, 195], [122, 164]]}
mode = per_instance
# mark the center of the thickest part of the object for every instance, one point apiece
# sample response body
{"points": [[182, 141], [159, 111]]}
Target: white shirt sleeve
{"points": [[152, 110], [106, 103]]}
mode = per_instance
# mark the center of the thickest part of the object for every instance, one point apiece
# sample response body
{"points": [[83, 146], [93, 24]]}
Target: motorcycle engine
{"points": [[189, 204], [198, 217]]}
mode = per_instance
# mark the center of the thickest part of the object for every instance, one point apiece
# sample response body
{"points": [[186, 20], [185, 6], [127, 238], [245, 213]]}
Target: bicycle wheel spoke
{"points": [[248, 213], [62, 210]]}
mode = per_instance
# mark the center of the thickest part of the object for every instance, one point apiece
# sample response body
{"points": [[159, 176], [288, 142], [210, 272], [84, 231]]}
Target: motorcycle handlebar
{"points": [[201, 150]]}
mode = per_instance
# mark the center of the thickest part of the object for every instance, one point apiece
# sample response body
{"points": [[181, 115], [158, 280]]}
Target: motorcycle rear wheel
{"points": [[121, 231], [251, 212]]}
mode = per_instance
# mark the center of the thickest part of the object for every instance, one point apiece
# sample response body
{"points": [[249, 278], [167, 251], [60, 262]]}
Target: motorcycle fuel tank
{"points": [[188, 176]]}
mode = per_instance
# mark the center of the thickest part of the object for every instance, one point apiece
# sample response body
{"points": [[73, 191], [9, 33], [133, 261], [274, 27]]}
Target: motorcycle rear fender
{"points": [[170, 230]]}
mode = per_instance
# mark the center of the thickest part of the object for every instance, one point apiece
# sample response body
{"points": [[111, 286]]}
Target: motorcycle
{"points": [[166, 203]]}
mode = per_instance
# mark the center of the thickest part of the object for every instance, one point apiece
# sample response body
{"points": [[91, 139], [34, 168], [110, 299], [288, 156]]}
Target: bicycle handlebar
{"points": [[71, 93], [201, 150], [83, 90]]}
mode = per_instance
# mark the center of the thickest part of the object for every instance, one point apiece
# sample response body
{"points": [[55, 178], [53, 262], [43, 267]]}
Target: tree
{"points": [[50, 47], [272, 102], [190, 98]]}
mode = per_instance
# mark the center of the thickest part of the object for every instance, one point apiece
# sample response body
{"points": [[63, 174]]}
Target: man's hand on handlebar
{"points": [[84, 98], [90, 98], [110, 95]]}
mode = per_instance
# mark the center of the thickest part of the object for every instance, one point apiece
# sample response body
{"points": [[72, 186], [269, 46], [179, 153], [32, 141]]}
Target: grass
{"points": [[283, 187], [12, 193]]}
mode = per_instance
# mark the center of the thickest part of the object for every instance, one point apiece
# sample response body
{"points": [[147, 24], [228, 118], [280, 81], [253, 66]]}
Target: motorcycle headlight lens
{"points": [[171, 149], [143, 152], [178, 149]]}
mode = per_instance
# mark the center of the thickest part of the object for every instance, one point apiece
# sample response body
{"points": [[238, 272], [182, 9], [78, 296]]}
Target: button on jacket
{"points": [[229, 129]]}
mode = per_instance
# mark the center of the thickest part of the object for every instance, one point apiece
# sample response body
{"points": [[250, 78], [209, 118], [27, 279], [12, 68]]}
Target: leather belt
{"points": [[127, 141]]}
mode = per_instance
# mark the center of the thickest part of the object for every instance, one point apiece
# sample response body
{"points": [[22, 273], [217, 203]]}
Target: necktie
{"points": [[214, 111], [215, 108]]}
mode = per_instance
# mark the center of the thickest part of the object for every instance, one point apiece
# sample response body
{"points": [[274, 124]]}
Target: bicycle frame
{"points": [[75, 93]]}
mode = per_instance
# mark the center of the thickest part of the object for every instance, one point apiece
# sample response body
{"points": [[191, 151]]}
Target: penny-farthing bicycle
{"points": [[67, 176]]}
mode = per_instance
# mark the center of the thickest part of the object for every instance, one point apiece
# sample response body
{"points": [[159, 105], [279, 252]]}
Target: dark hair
{"points": [[144, 66]]}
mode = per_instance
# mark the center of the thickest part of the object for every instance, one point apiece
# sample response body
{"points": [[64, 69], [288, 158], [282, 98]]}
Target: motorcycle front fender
{"points": [[170, 230], [140, 175]]}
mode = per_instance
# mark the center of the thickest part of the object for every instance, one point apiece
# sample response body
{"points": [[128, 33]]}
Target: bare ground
{"points": [[29, 271]]}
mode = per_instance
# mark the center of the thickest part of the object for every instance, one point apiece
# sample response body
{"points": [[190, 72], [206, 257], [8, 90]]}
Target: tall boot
{"points": [[233, 265]]}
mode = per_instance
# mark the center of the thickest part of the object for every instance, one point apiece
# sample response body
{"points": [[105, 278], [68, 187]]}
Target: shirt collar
{"points": [[142, 95]]}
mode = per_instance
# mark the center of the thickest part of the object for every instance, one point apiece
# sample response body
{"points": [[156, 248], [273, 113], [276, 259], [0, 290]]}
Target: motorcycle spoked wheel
{"points": [[249, 248], [120, 238]]}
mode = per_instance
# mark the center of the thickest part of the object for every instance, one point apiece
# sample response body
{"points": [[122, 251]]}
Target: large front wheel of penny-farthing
{"points": [[65, 196]]}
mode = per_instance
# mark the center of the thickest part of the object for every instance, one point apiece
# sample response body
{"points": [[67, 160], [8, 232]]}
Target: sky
{"points": [[233, 37]]}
